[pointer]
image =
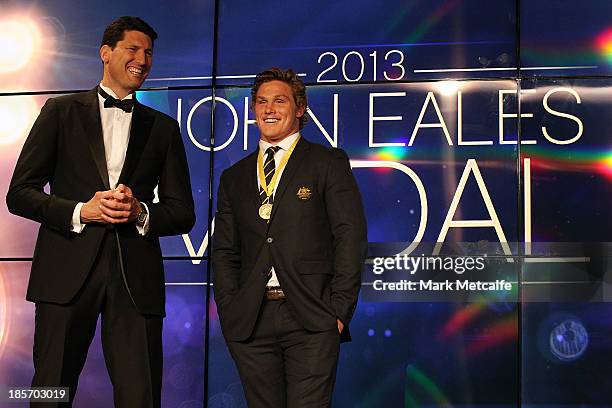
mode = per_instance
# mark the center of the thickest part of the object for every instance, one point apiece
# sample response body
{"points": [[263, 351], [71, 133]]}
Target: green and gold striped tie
{"points": [[269, 168]]}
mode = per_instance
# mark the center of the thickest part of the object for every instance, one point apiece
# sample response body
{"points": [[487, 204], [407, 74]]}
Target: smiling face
{"points": [[276, 113], [127, 65]]}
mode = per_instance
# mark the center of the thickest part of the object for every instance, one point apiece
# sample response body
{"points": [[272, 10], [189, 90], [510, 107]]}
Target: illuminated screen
{"points": [[478, 135]]}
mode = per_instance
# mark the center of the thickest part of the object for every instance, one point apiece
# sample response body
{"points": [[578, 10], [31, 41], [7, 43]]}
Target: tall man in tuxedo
{"points": [[290, 242], [103, 153]]}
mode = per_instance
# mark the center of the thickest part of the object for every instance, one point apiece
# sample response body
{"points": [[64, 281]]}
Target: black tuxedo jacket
{"points": [[65, 148], [316, 240]]}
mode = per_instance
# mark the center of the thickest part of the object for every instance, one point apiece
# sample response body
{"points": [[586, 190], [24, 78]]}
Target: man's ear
{"points": [[300, 111], [104, 53]]}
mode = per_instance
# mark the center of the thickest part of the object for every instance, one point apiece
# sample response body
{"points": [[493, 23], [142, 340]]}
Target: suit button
{"points": [[269, 240]]}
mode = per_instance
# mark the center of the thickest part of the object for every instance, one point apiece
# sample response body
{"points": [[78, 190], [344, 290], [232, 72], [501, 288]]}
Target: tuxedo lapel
{"points": [[293, 164], [91, 127], [140, 130]]}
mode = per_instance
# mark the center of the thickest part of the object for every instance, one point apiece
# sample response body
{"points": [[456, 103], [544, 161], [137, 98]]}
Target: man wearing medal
{"points": [[289, 244]]}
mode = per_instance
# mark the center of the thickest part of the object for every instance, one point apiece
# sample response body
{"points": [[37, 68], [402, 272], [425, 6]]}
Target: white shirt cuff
{"points": [[77, 226], [145, 228]]}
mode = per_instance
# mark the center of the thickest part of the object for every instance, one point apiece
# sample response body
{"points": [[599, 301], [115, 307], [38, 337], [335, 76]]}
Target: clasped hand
{"points": [[111, 207]]}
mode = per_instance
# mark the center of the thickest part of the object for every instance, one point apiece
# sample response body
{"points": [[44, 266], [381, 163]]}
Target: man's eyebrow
{"points": [[139, 46], [273, 96]]}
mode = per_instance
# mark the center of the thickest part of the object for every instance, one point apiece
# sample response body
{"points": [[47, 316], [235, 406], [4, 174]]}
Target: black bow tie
{"points": [[109, 102]]}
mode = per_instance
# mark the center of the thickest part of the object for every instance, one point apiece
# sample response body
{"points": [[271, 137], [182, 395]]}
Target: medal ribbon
{"points": [[269, 188]]}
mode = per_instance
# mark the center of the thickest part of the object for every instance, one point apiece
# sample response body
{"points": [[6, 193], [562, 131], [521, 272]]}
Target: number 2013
{"points": [[330, 59]]}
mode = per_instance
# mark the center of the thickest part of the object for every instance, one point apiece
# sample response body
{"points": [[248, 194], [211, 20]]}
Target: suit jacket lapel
{"points": [[92, 129], [252, 189], [142, 122], [253, 185], [292, 165]]}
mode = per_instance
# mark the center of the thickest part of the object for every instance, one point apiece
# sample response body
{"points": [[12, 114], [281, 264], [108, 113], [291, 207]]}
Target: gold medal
{"points": [[269, 188], [265, 211]]}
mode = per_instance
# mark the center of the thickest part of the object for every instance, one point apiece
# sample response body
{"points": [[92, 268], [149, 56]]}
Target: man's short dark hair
{"points": [[290, 78], [114, 32]]}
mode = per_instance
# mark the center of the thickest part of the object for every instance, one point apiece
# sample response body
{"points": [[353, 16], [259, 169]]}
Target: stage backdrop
{"points": [[479, 136]]}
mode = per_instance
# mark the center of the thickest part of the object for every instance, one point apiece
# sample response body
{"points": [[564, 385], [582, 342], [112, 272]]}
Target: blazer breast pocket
{"points": [[306, 200]]}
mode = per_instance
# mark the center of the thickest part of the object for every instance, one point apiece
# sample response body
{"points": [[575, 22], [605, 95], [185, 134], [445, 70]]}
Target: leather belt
{"points": [[275, 293]]}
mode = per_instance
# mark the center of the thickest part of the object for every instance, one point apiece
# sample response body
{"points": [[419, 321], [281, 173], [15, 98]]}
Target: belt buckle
{"points": [[274, 293]]}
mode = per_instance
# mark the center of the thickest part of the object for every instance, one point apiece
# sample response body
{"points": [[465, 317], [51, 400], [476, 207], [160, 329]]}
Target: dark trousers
{"points": [[132, 343], [284, 366]]}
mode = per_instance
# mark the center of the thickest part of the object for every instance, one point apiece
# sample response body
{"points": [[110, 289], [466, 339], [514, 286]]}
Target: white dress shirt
{"points": [[116, 124], [284, 145]]}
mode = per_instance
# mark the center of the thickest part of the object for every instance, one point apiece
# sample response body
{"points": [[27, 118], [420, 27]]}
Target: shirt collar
{"points": [[284, 144], [113, 94]]}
